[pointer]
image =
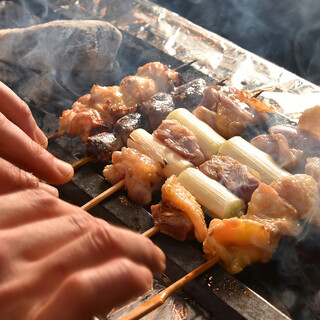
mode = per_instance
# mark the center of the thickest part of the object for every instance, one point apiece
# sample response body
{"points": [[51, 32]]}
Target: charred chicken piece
{"points": [[239, 243], [189, 95], [232, 174], [224, 109], [101, 146], [157, 108], [125, 125], [301, 191], [313, 168], [274, 212], [181, 140], [141, 174], [178, 214]]}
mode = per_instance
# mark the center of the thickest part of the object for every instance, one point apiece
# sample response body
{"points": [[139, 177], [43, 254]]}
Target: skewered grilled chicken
{"points": [[105, 105], [268, 208], [255, 236], [181, 140], [141, 174], [301, 191], [239, 243], [229, 111], [232, 174], [289, 145], [178, 214]]}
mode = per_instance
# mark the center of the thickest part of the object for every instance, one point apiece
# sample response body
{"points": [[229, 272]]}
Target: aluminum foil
{"points": [[216, 56]]}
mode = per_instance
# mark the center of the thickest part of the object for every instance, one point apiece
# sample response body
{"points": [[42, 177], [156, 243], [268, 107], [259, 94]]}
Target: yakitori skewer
{"points": [[149, 80], [104, 195], [161, 297]]}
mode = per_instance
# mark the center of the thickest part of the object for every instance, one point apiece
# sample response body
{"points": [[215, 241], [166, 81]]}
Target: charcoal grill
{"points": [[277, 290]]}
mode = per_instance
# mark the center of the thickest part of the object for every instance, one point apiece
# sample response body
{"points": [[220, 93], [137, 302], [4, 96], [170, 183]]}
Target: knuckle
{"points": [[142, 279], [26, 179], [80, 222], [103, 239], [76, 285], [45, 201]]}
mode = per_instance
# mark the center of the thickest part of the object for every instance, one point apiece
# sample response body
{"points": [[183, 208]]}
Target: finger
{"points": [[96, 290], [19, 149], [17, 111], [13, 179], [105, 242], [41, 238], [31, 205]]}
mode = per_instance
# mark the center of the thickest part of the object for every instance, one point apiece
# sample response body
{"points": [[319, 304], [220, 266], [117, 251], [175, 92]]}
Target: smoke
{"points": [[55, 61], [285, 32]]}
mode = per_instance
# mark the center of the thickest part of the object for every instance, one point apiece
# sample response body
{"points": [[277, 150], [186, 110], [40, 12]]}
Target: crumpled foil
{"points": [[216, 56]]}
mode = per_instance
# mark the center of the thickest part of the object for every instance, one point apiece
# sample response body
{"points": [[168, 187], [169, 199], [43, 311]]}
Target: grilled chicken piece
{"points": [[136, 90], [239, 243], [189, 95], [310, 119], [101, 108], [141, 174], [301, 191], [232, 174], [108, 101], [165, 79], [313, 168], [105, 105], [276, 145], [101, 146], [178, 214], [299, 139], [157, 108], [274, 212], [125, 125], [181, 140], [75, 122], [226, 112]]}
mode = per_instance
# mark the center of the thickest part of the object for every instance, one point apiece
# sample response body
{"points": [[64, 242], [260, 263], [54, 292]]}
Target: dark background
{"points": [[286, 32]]}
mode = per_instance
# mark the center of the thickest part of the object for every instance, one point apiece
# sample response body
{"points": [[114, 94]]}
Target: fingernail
{"points": [[64, 168], [41, 138], [50, 189]]}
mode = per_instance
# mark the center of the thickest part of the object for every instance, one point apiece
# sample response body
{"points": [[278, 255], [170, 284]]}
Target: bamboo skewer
{"points": [[79, 163], [104, 195], [184, 65], [151, 232], [162, 296], [55, 135]]}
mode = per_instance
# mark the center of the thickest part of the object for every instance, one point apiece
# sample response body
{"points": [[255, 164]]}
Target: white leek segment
{"points": [[209, 140], [171, 162], [217, 201], [244, 152]]}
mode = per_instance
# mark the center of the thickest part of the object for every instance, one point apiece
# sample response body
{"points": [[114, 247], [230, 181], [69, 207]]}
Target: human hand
{"points": [[59, 262], [23, 143]]}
